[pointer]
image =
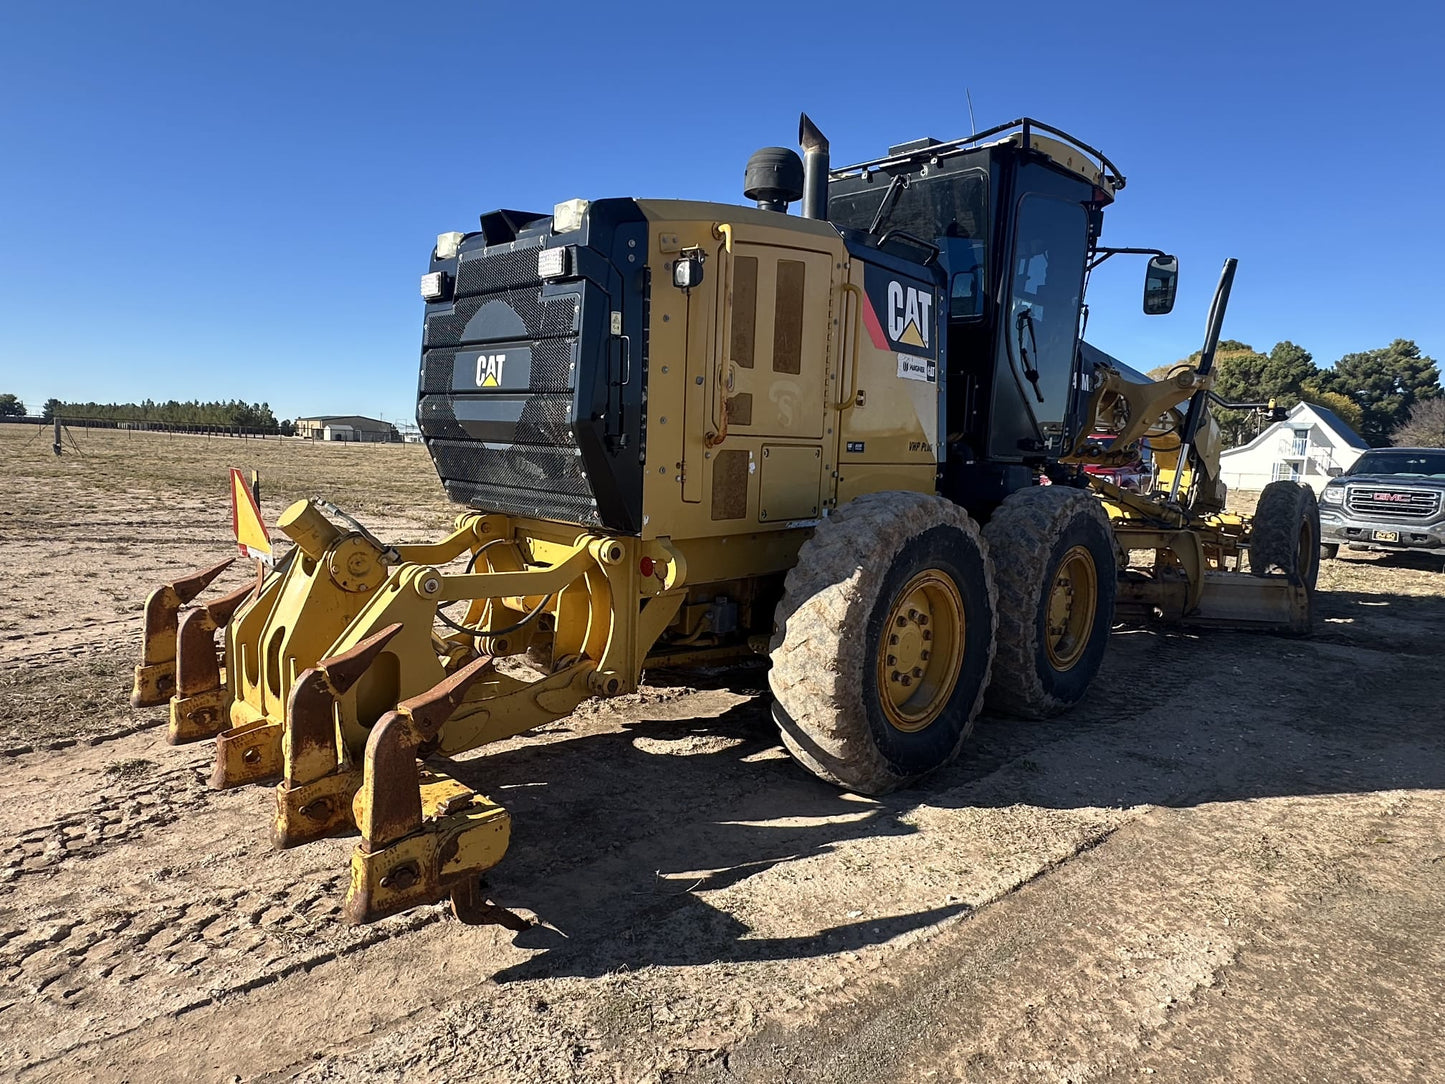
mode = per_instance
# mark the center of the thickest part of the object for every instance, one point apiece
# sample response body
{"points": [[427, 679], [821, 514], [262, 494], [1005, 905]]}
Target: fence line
{"points": [[244, 432]]}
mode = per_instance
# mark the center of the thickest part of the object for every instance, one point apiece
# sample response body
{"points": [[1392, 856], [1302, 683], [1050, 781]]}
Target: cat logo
{"points": [[909, 312], [489, 370]]}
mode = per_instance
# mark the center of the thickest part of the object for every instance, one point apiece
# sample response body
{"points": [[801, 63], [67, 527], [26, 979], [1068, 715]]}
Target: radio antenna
{"points": [[972, 127]]}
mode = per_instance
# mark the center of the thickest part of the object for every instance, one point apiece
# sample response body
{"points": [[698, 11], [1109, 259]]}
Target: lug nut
{"points": [[923, 619], [924, 654], [902, 621], [906, 680], [913, 615], [892, 660], [918, 671], [927, 634], [893, 640], [896, 676]]}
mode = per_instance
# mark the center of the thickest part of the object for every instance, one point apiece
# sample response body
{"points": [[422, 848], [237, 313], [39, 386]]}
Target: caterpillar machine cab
{"points": [[851, 439]]}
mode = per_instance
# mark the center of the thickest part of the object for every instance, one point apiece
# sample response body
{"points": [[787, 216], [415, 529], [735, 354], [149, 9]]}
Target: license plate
{"points": [[1387, 536]]}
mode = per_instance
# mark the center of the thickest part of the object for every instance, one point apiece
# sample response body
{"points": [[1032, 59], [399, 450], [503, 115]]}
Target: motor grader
{"points": [[683, 433]]}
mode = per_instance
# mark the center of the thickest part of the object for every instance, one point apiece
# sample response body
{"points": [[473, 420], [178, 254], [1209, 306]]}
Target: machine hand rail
{"points": [[854, 329]]}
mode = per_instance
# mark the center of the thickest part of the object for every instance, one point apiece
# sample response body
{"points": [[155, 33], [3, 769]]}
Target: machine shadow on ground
{"points": [[589, 853]]}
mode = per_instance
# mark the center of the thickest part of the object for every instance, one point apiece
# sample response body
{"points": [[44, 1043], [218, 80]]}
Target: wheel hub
{"points": [[1072, 603], [920, 651]]}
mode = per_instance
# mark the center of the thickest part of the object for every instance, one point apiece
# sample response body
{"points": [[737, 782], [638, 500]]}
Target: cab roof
{"points": [[1066, 151]]}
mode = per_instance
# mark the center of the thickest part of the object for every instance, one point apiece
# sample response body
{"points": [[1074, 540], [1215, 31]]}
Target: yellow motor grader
{"points": [[853, 439]]}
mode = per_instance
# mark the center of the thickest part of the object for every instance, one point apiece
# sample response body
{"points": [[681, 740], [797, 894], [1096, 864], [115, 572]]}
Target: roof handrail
{"points": [[1025, 125]]}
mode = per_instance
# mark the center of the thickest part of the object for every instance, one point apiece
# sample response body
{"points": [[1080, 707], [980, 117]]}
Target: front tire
{"points": [[1053, 551], [883, 641], [1285, 532]]}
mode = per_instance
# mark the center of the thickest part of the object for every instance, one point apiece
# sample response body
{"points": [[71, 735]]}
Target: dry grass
{"points": [[387, 479]]}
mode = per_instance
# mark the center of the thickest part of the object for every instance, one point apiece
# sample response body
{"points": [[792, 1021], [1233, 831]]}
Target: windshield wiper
{"points": [[1026, 320], [890, 197]]}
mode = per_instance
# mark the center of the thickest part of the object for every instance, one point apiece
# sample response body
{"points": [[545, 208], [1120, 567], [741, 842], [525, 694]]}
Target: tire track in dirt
{"points": [[176, 945]]}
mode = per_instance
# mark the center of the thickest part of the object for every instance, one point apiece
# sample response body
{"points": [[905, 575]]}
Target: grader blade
{"points": [[1235, 600], [155, 677], [314, 798], [423, 834], [200, 705]]}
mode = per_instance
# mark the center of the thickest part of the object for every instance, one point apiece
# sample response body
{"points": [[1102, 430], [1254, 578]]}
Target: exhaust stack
{"points": [[815, 168]]}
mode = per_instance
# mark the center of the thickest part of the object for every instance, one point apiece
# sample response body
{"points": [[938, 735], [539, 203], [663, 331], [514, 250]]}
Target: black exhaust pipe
{"points": [[815, 168]]}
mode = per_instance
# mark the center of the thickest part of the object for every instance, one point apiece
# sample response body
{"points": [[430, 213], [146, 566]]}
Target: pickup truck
{"points": [[1390, 500]]}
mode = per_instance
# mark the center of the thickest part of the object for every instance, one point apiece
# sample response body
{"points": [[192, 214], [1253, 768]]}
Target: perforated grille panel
{"points": [[511, 447]]}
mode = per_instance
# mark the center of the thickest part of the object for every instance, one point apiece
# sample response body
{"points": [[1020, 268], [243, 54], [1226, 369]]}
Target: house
{"points": [[1311, 444], [350, 427]]}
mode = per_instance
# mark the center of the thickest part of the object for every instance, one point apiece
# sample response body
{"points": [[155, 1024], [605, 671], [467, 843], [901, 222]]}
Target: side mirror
{"points": [[1160, 282]]}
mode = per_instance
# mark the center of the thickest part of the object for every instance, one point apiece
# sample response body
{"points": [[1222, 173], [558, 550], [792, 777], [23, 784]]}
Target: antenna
{"points": [[972, 127]]}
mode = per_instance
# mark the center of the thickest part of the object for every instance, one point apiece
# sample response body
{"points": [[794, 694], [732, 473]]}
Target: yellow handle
{"points": [[854, 331], [719, 412]]}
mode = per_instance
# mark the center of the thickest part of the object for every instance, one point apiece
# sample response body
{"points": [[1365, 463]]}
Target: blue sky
{"points": [[208, 201]]}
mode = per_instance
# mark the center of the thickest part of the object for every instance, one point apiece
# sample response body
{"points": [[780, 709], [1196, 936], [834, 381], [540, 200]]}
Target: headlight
{"points": [[552, 262], [1332, 495], [567, 216], [434, 285]]}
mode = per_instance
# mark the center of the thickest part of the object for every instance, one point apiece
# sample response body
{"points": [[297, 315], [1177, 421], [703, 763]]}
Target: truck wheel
{"points": [[1329, 551], [1053, 550], [883, 641], [1285, 532]]}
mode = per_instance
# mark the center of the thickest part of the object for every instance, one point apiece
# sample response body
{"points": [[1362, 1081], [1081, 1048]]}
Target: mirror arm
{"points": [[1104, 253]]}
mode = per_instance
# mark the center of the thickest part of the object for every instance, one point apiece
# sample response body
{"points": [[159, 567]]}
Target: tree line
{"points": [[1386, 395], [230, 414]]}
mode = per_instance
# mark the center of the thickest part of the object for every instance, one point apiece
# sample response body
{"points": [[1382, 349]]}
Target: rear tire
{"points": [[1054, 560], [1329, 551], [883, 641], [1285, 533]]}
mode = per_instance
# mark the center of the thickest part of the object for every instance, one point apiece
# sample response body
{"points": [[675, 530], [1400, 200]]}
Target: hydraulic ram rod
{"points": [[1199, 399]]}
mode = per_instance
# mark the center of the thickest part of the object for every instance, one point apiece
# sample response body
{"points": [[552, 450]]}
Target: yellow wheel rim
{"points": [[1073, 601], [920, 651]]}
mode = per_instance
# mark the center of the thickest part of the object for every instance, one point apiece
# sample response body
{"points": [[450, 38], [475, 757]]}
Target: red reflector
{"points": [[645, 566]]}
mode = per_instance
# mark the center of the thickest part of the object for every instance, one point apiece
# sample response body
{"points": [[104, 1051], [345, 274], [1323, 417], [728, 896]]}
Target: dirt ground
{"points": [[1228, 863]]}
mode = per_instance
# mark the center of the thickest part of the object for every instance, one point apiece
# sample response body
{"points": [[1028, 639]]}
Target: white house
{"points": [[1310, 445]]}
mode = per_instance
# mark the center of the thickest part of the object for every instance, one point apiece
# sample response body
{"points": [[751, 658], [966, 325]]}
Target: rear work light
{"points": [[553, 262], [434, 285], [567, 215], [448, 244]]}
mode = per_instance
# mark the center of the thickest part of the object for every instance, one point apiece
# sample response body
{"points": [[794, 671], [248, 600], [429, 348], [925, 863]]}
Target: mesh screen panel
{"points": [[539, 472]]}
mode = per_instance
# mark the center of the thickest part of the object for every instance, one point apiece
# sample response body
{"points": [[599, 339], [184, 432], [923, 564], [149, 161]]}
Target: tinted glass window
{"points": [[939, 205], [1423, 464]]}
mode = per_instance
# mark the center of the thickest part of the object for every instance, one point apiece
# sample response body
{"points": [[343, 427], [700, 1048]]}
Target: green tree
{"points": [[1239, 375], [1425, 427], [1286, 373], [1386, 383], [51, 408], [11, 406]]}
